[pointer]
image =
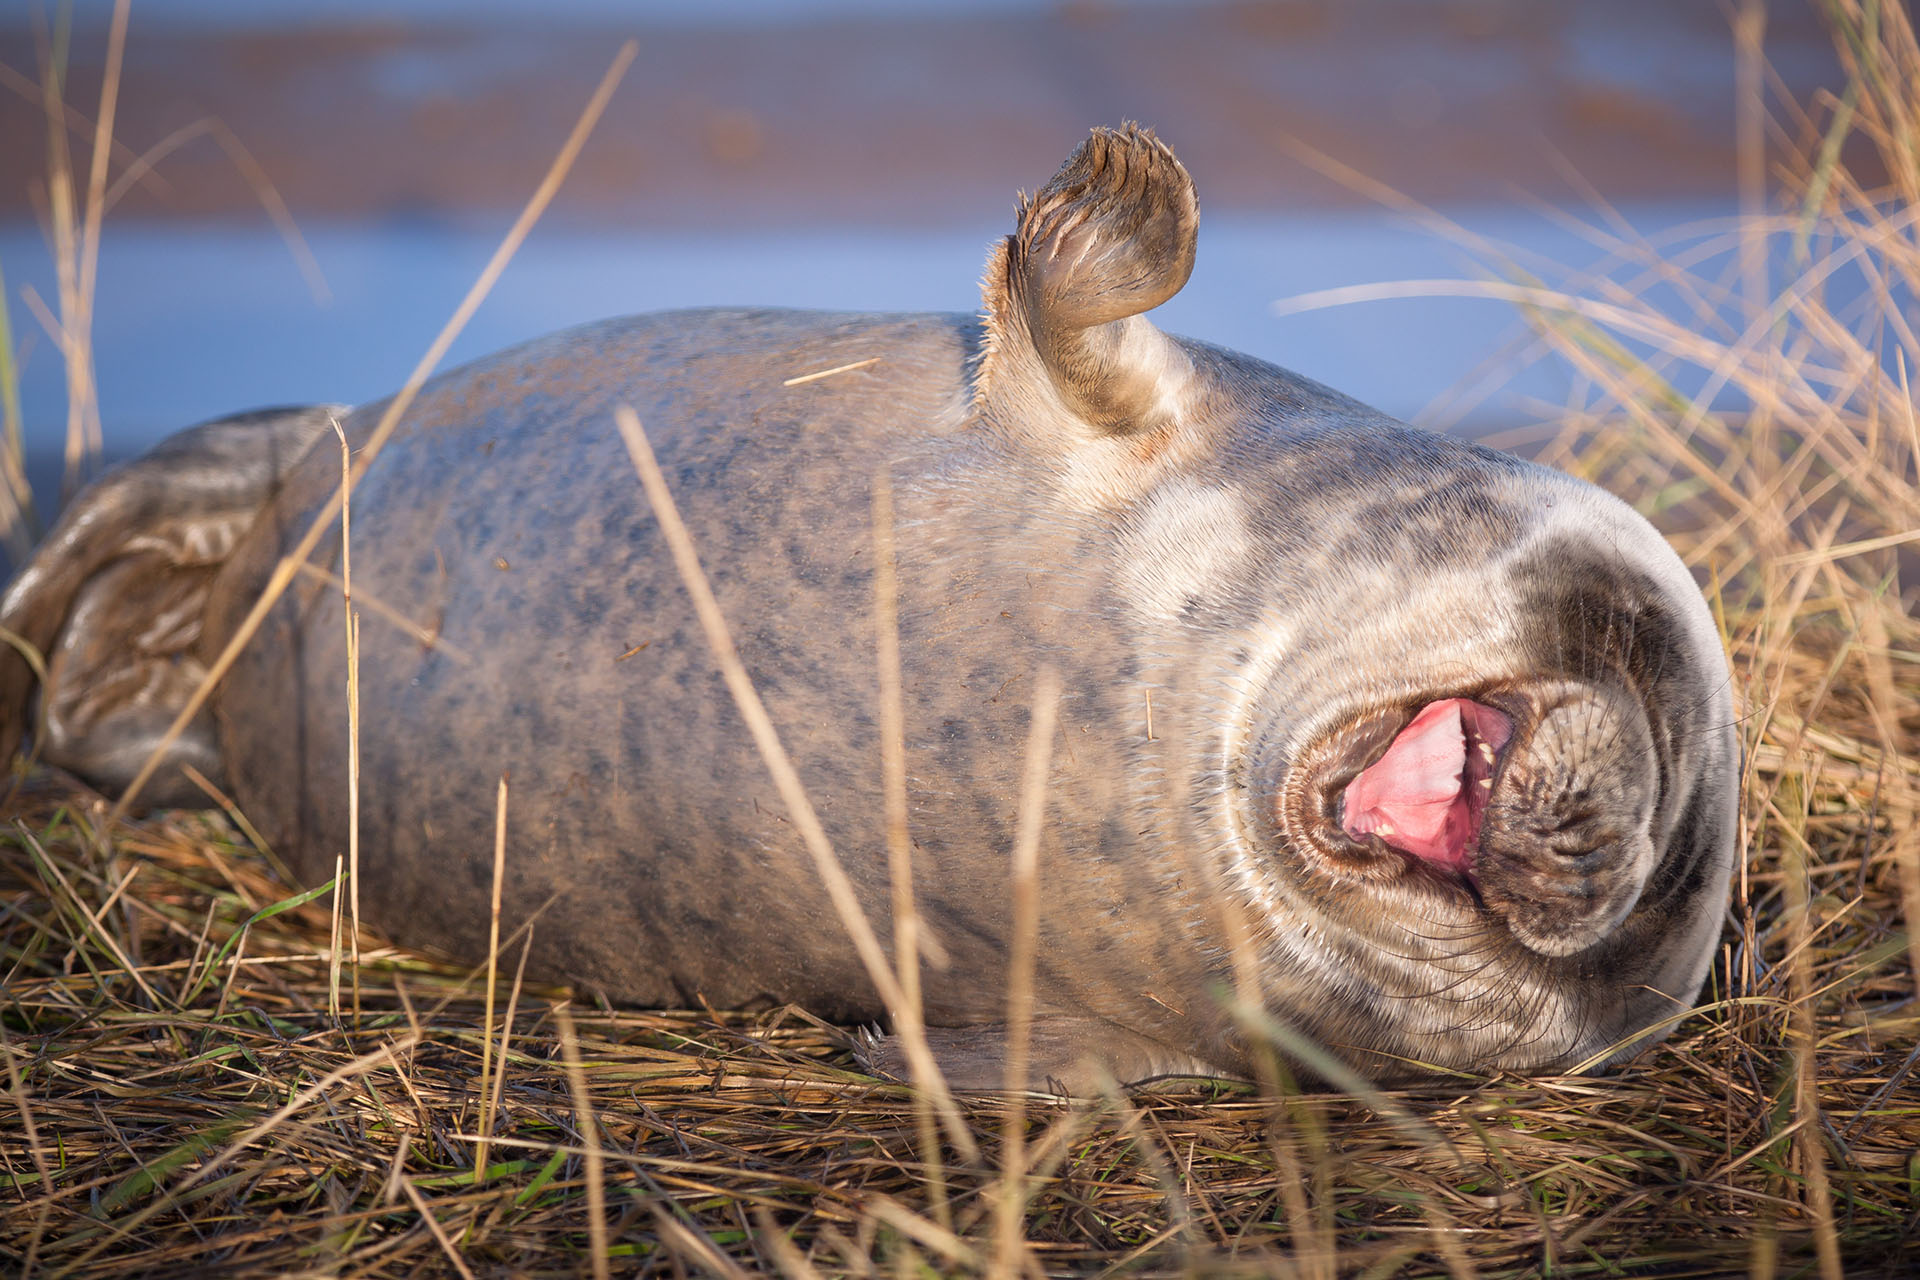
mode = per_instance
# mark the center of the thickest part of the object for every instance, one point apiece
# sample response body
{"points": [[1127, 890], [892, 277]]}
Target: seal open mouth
{"points": [[1426, 796]]}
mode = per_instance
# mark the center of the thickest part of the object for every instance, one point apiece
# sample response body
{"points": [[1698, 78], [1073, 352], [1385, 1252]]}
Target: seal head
{"points": [[1461, 741]]}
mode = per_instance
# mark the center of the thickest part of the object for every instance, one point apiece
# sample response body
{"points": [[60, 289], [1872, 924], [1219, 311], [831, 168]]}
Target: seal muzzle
{"points": [[1539, 808]]}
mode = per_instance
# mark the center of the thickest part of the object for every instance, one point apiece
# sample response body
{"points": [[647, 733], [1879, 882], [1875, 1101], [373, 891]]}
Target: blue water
{"points": [[196, 322], [708, 13]]}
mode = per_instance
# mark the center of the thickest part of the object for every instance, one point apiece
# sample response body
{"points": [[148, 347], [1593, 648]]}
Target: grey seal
{"points": [[1443, 740]]}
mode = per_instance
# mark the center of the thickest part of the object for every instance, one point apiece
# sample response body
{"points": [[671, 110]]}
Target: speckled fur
{"points": [[1273, 566]]}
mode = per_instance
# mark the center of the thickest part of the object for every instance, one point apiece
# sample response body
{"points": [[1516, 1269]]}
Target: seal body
{"points": [[1426, 750]]}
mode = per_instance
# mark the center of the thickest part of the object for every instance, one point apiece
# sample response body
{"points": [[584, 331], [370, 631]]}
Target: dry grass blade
{"points": [[420, 634], [589, 1128], [97, 168], [258, 182], [351, 618], [493, 973], [19, 524], [66, 255], [23, 1106], [893, 772], [803, 379], [789, 1261], [433, 1224], [333, 939], [1009, 1236], [684, 1242], [491, 1100]]}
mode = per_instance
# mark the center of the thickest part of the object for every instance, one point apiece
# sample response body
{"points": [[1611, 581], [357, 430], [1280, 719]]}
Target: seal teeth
{"points": [[1426, 794]]}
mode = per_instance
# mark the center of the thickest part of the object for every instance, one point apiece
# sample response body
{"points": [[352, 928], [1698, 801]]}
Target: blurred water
{"points": [[705, 13], [193, 322]]}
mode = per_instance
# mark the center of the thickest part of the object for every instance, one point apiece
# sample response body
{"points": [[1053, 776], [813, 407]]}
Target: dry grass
{"points": [[759, 1139], [186, 1092]]}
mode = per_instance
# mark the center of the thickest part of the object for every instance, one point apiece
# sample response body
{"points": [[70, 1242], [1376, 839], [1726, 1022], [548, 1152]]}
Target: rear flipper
{"points": [[113, 598]]}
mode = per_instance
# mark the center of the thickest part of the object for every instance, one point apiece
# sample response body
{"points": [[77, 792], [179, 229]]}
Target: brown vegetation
{"points": [[188, 1090]]}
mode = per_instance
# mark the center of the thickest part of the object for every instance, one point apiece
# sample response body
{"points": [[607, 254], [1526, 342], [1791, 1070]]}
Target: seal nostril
{"points": [[1573, 822], [1588, 843]]}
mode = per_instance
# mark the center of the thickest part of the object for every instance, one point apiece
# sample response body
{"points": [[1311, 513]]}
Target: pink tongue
{"points": [[1423, 796]]}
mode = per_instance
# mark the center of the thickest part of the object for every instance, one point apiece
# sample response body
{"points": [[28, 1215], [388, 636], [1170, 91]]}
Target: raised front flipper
{"points": [[113, 598], [1110, 237]]}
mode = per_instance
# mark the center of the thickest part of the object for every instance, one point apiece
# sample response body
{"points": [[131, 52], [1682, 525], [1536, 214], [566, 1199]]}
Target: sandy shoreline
{"points": [[904, 121]]}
